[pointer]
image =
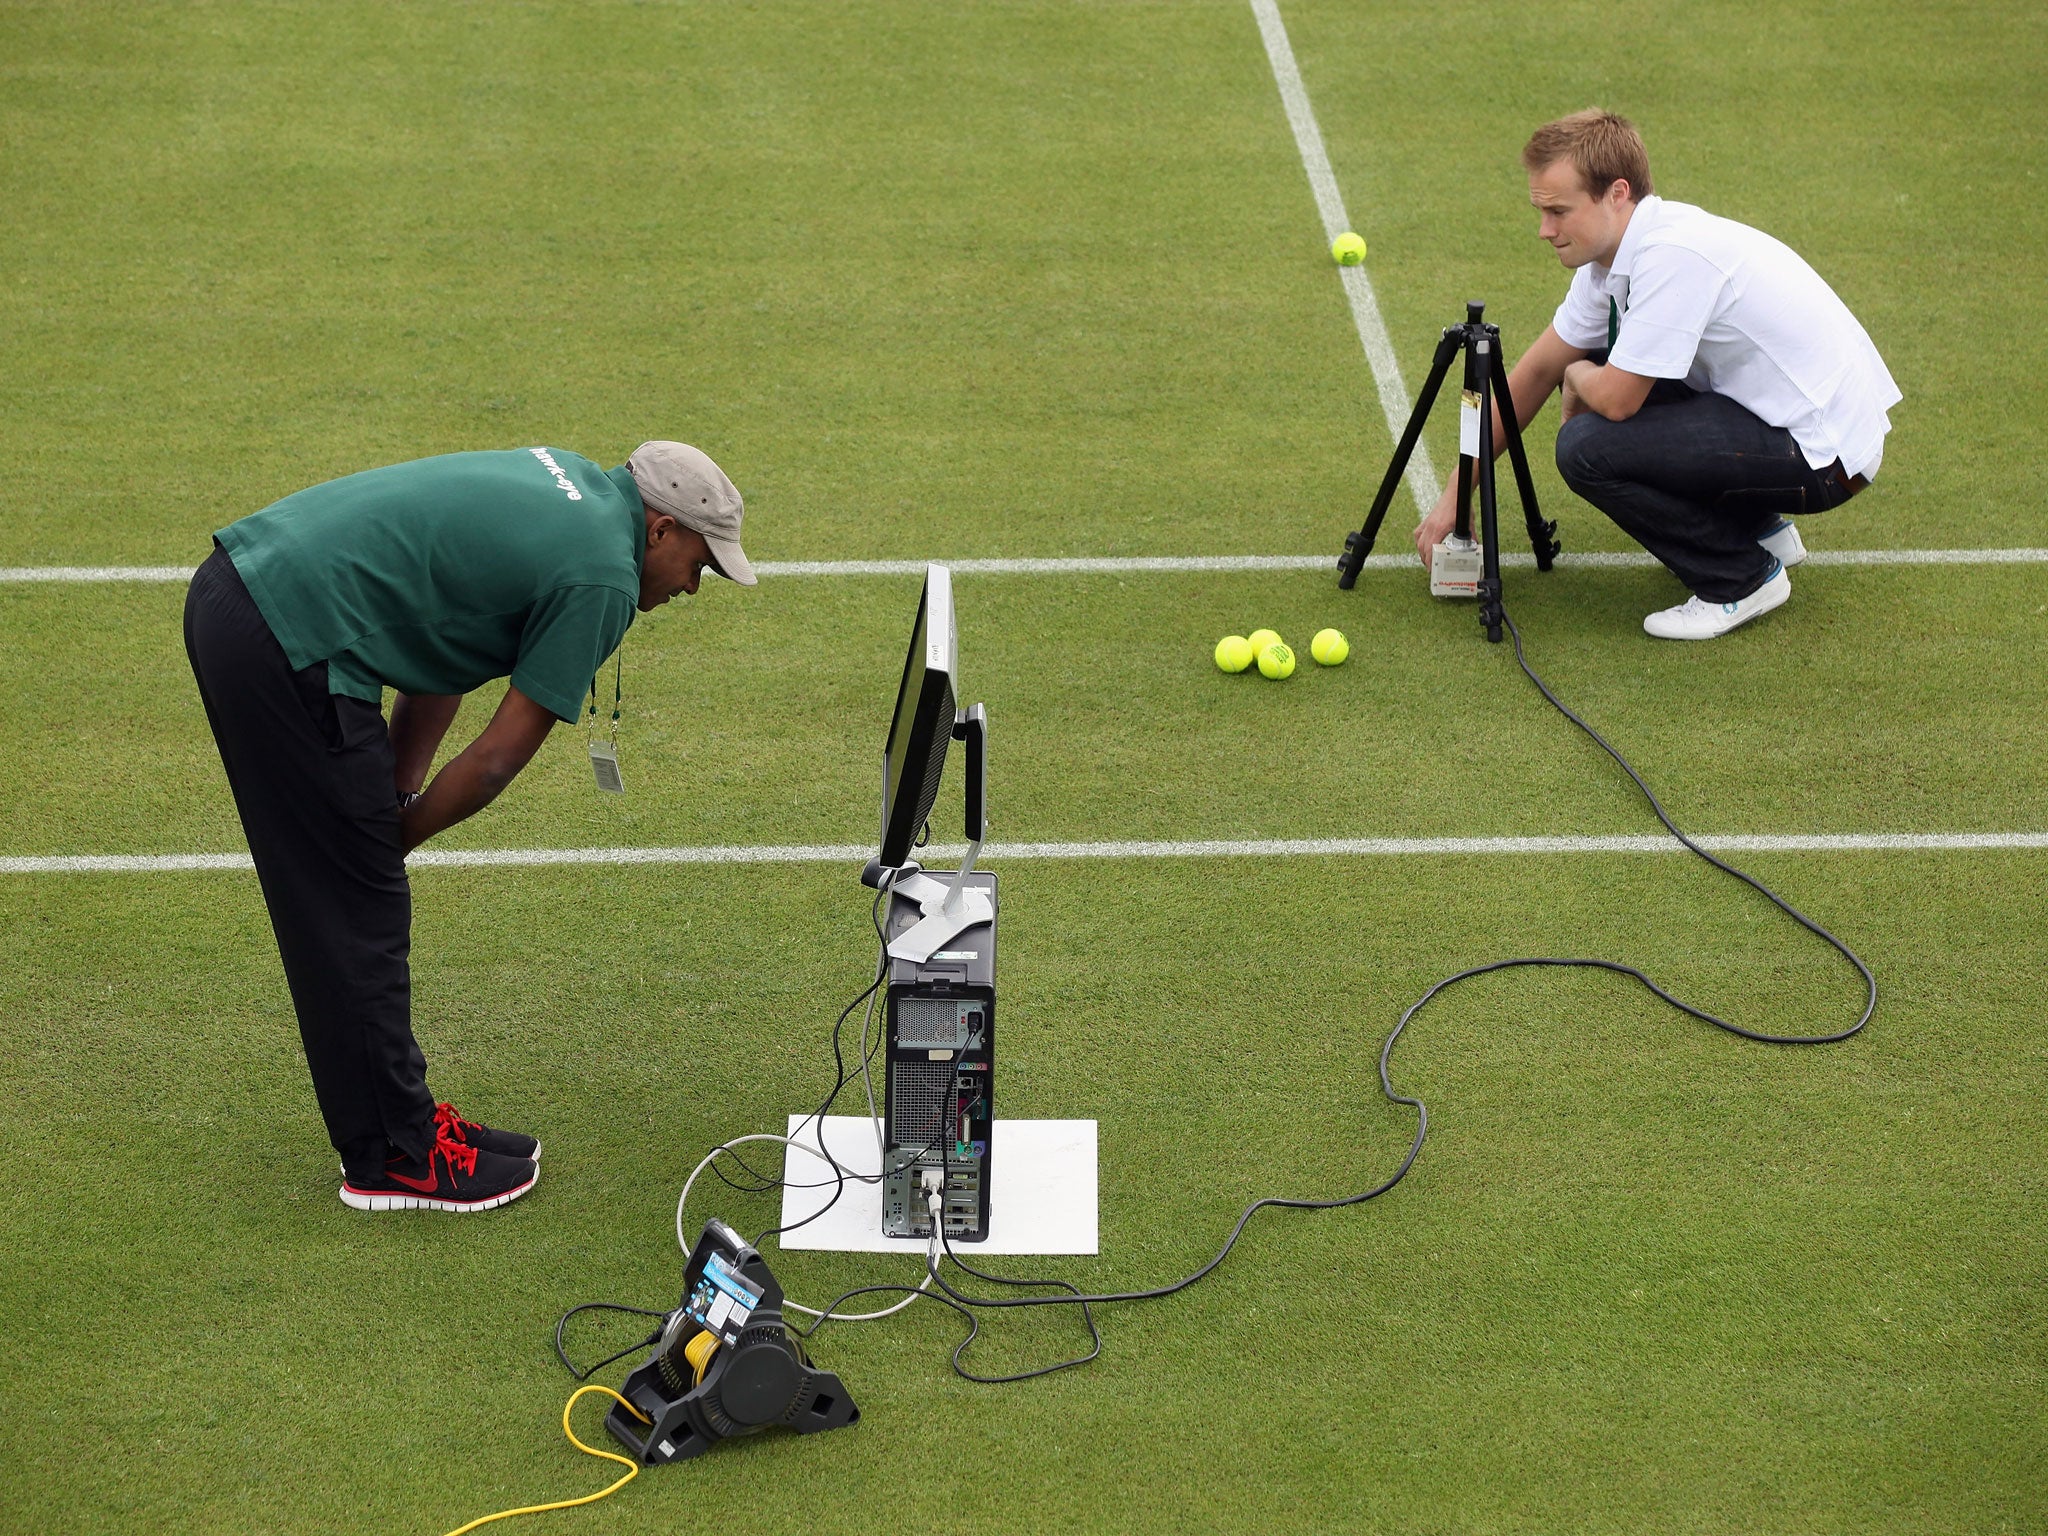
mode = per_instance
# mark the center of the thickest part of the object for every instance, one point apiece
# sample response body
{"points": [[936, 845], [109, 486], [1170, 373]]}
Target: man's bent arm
{"points": [[1607, 390], [418, 722], [474, 777], [1533, 380]]}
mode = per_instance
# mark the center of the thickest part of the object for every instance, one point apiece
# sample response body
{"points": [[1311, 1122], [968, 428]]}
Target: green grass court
{"points": [[1037, 280]]}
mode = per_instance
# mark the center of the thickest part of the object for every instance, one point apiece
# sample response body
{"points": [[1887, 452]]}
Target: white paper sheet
{"points": [[1041, 1196]]}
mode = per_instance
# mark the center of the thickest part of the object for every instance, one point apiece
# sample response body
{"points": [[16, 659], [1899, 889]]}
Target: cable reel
{"points": [[725, 1364]]}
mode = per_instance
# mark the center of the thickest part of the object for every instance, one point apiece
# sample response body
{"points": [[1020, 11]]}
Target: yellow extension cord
{"points": [[632, 1467]]}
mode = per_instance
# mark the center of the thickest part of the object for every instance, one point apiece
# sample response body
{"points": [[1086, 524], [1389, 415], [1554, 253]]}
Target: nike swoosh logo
{"points": [[425, 1186]]}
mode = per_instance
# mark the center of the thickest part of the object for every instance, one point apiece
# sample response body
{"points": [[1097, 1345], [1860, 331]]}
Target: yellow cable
{"points": [[632, 1467], [699, 1352]]}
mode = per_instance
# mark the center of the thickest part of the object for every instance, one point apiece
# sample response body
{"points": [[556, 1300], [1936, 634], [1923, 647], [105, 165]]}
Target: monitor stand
{"points": [[949, 909]]}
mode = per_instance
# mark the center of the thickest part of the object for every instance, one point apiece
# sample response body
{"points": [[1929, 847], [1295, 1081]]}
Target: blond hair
{"points": [[1603, 147]]}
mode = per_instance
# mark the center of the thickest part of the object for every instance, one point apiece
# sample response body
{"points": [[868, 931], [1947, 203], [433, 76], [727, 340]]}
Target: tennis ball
{"points": [[1234, 653], [1276, 660], [1329, 647], [1348, 248], [1261, 638]]}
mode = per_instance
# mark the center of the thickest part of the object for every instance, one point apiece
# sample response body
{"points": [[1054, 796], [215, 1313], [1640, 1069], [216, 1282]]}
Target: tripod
{"points": [[1486, 380]]}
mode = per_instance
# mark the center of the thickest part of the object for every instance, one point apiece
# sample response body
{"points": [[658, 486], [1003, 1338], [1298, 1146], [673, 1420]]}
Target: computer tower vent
{"points": [[931, 1023], [920, 1104]]}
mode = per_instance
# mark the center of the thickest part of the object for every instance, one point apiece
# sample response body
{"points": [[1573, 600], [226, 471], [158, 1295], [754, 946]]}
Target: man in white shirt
{"points": [[1714, 387]]}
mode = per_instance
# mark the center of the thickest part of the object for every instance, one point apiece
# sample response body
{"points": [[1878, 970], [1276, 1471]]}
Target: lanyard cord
{"points": [[618, 679]]}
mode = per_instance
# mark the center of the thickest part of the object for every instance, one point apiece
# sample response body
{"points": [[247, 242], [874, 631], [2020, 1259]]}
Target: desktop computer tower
{"points": [[939, 1076]]}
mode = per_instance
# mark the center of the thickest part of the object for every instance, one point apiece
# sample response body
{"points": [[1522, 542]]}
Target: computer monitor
{"points": [[927, 721], [914, 758]]}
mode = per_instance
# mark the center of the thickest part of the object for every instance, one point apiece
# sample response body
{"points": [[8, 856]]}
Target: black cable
{"points": [[1083, 1300], [1074, 1297], [763, 1183], [932, 1268], [766, 1182], [774, 1181], [973, 1323], [562, 1322], [841, 1078], [965, 1310], [1870, 981], [1080, 1298], [840, 1175]]}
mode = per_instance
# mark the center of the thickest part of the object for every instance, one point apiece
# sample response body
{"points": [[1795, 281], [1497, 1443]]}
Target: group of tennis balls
{"points": [[1275, 656], [1234, 653]]}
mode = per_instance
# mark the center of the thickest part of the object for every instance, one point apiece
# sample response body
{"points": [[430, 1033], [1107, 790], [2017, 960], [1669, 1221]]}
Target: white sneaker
{"points": [[1698, 619], [1784, 542]]}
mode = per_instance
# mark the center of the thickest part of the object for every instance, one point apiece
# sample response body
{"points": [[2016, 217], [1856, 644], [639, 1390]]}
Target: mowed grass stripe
{"points": [[1137, 564], [1365, 307], [755, 720], [1217, 848]]}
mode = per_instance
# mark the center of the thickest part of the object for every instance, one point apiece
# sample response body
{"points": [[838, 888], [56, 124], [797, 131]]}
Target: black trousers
{"points": [[1695, 479], [311, 773]]}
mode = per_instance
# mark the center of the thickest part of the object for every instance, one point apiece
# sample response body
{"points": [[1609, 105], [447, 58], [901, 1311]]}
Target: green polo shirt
{"points": [[439, 575]]}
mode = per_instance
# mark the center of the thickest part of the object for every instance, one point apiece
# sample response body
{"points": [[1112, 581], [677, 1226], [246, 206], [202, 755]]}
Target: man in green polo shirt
{"points": [[430, 578]]}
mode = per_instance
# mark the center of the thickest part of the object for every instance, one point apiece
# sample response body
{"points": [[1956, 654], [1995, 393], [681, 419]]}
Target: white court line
{"points": [[1365, 308], [1118, 565], [178, 573], [1242, 848], [1394, 401]]}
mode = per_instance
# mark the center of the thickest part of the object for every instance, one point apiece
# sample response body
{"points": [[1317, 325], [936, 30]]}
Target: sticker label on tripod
{"points": [[1468, 423]]}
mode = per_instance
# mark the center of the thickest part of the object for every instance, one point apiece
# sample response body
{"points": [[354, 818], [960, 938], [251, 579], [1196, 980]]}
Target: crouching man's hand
{"points": [[1437, 525], [1569, 401]]}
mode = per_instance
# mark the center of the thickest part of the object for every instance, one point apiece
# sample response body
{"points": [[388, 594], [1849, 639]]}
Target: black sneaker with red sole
{"points": [[454, 1177], [449, 1123]]}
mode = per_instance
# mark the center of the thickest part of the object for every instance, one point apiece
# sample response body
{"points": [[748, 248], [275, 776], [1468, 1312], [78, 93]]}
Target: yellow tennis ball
{"points": [[1329, 647], [1261, 638], [1234, 653], [1276, 660], [1348, 248]]}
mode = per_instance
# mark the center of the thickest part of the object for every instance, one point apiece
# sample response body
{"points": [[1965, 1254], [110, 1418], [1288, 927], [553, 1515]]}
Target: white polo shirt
{"points": [[1726, 308]]}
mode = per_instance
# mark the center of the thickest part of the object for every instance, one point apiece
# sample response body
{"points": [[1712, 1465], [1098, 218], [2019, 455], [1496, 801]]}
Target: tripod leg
{"points": [[1468, 478], [1358, 545], [1542, 535], [1487, 345]]}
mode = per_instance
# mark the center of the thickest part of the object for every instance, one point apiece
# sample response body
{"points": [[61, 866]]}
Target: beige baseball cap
{"points": [[683, 482]]}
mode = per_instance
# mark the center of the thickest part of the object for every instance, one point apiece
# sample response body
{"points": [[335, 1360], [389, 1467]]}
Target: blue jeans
{"points": [[1696, 479]]}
